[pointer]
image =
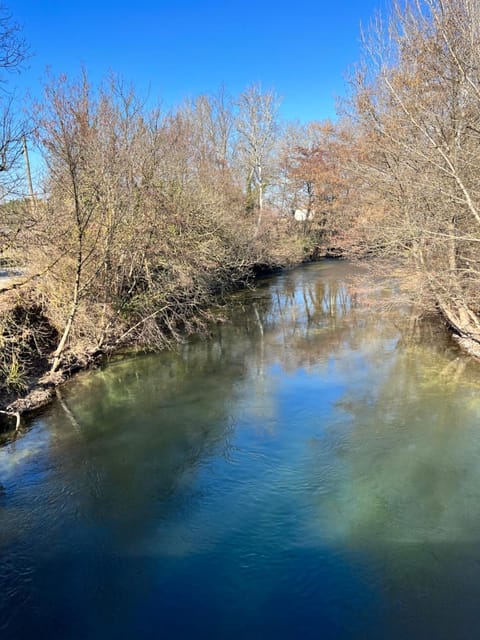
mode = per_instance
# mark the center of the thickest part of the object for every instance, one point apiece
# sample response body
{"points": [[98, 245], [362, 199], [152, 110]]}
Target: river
{"points": [[311, 470]]}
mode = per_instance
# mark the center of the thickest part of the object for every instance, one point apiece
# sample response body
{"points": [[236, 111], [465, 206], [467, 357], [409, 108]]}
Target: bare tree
{"points": [[211, 119], [13, 48], [257, 127], [13, 52], [142, 225], [417, 110]]}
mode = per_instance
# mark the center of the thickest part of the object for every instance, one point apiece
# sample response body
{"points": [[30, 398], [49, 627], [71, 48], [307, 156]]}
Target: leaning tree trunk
{"points": [[57, 356]]}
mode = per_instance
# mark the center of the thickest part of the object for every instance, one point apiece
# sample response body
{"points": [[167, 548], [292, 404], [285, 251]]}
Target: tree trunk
{"points": [[66, 332]]}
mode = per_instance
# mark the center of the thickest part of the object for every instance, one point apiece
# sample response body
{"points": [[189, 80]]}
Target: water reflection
{"points": [[310, 470]]}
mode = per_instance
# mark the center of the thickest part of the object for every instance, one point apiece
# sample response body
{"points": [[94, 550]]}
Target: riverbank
{"points": [[29, 394], [43, 383]]}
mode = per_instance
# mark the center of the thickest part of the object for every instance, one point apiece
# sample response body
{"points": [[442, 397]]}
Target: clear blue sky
{"points": [[186, 47]]}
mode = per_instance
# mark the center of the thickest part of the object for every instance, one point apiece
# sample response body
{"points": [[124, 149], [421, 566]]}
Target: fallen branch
{"points": [[13, 414]]}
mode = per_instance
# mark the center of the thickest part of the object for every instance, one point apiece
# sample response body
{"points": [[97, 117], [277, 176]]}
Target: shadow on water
{"points": [[309, 471]]}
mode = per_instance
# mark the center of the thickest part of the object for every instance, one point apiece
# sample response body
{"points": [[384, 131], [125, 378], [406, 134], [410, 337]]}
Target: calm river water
{"points": [[311, 471]]}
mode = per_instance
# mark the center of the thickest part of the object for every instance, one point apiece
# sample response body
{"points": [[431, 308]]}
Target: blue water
{"points": [[311, 470]]}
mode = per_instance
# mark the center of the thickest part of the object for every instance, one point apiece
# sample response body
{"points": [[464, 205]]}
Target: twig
{"points": [[13, 414]]}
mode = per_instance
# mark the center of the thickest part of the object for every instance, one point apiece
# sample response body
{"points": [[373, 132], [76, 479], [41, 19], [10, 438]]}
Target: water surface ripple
{"points": [[312, 470]]}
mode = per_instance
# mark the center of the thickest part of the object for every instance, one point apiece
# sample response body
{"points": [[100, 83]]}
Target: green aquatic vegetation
{"points": [[14, 374]]}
